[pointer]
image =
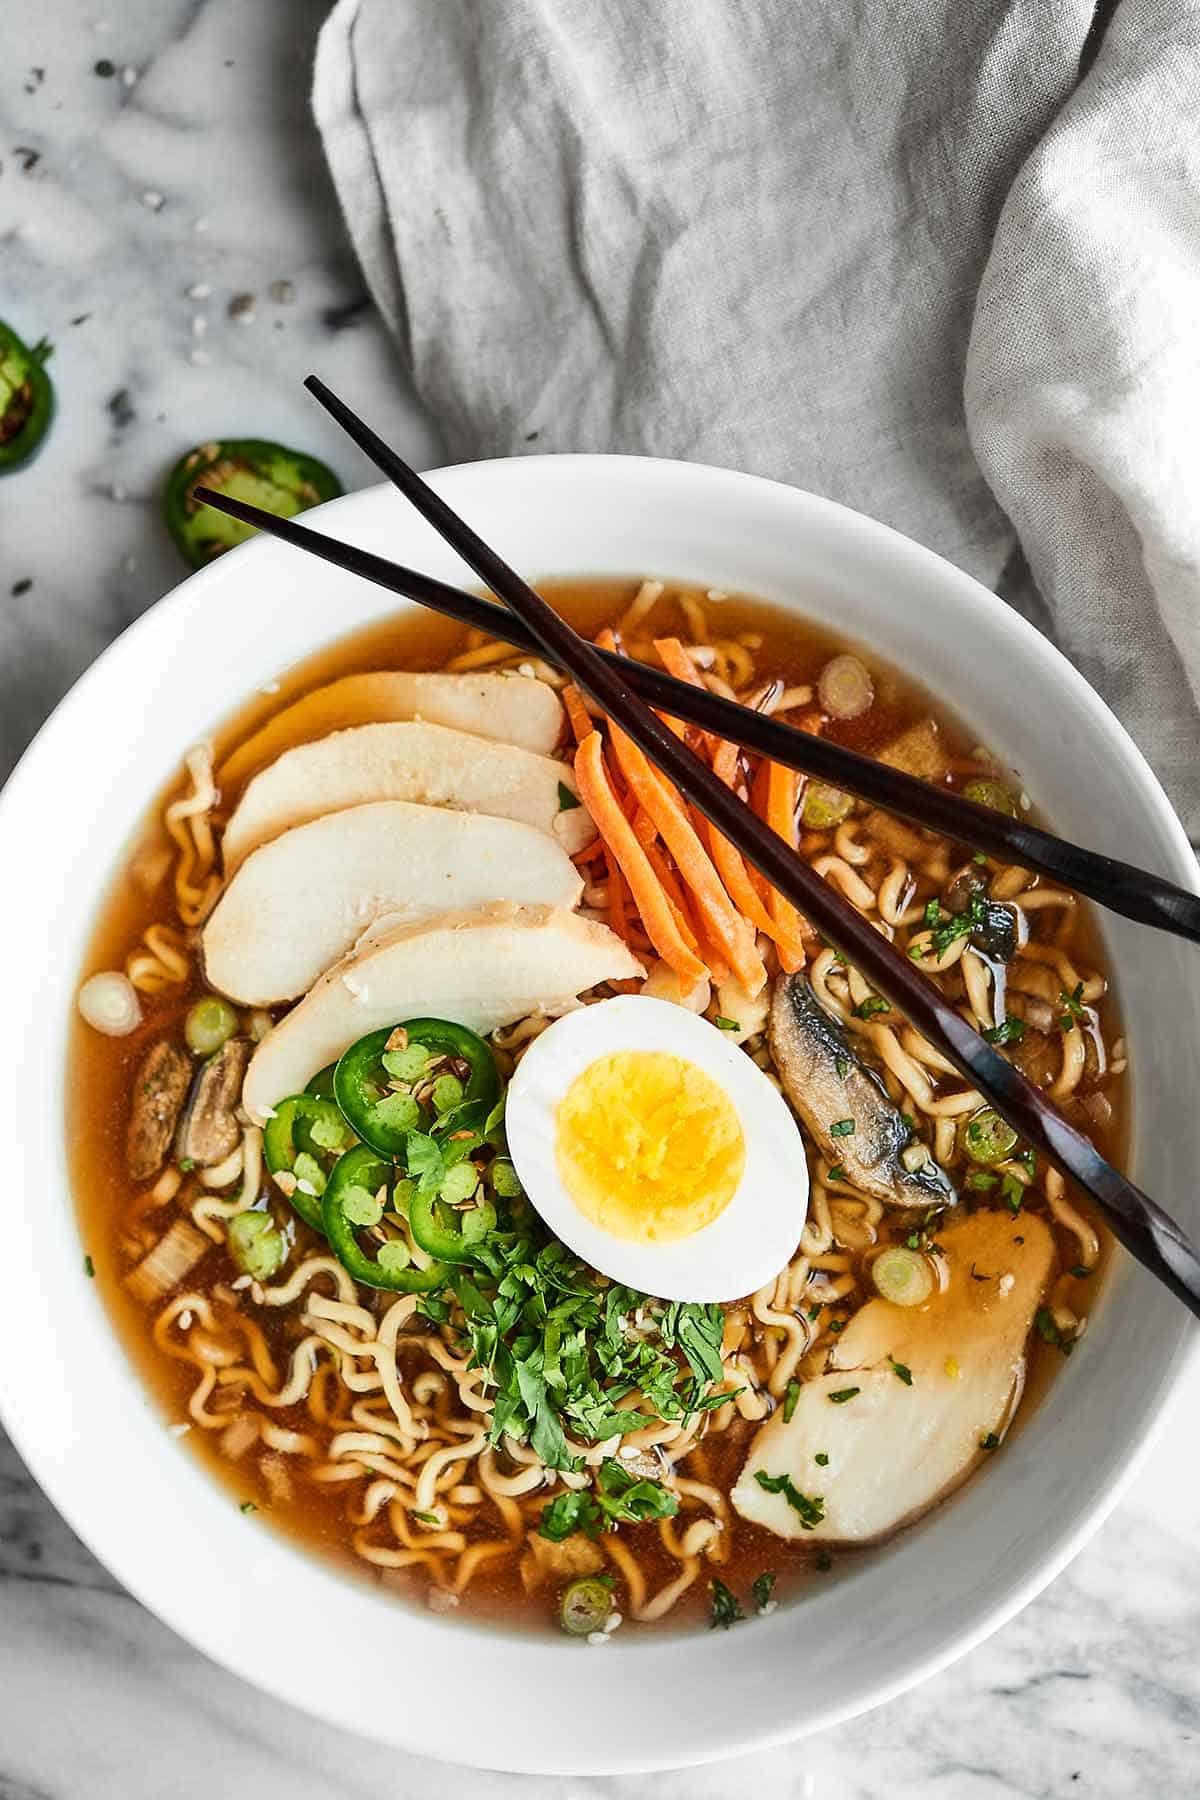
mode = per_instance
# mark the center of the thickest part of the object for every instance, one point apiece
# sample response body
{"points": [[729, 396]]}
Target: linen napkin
{"points": [[779, 237]]}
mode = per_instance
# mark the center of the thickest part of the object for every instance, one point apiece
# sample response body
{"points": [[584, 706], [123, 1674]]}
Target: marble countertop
{"points": [[157, 166]]}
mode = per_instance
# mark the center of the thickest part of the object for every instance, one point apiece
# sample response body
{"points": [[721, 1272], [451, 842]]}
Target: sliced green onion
{"points": [[902, 1276], [989, 1138], [825, 806], [993, 794], [255, 1245], [585, 1606], [209, 1024]]}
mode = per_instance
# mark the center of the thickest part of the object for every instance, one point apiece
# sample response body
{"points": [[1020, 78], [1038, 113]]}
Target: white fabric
{"points": [[759, 235]]}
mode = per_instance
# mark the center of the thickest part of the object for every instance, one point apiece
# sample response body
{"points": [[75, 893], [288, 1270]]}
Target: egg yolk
{"points": [[648, 1146]]}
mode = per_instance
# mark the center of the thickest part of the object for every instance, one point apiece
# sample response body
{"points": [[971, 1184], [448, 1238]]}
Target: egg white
{"points": [[749, 1242]]}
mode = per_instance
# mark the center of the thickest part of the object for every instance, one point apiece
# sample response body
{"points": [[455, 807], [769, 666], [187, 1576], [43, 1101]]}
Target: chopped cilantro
{"points": [[247, 1506], [1047, 1329], [1075, 1009], [791, 1395], [726, 1608], [841, 1395], [901, 1371], [979, 857], [1010, 1031], [822, 1459], [724, 1024], [568, 1513], [89, 1268], [837, 1173], [842, 1128], [875, 1003], [427, 1518], [842, 1065], [981, 1180], [567, 801], [960, 925], [917, 951], [836, 1325], [810, 1511], [933, 912], [762, 1587], [1012, 1192], [186, 1164]]}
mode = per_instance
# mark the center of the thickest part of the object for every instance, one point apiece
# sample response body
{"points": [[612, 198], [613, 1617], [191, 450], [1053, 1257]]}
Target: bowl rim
{"points": [[69, 1495]]}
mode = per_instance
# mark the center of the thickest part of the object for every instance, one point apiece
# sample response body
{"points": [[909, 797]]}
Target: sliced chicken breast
{"points": [[429, 765], [912, 1396], [508, 708], [480, 969], [302, 901]]}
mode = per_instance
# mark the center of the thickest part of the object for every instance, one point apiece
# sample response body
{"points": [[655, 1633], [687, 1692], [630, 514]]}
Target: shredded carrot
{"points": [[676, 661], [577, 713], [737, 876], [617, 917], [733, 934], [781, 817], [648, 896]]}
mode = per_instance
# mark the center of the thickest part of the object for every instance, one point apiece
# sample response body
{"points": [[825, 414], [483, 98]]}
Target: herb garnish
{"points": [[842, 1128], [875, 1003], [958, 925], [824, 1561], [1010, 1031], [842, 1065], [821, 1458], [1012, 1192], [567, 801], [562, 1350], [901, 1371], [762, 1588], [841, 1396], [89, 1268], [247, 1506], [620, 1497], [1075, 1009], [810, 1511], [990, 1442], [791, 1395], [1047, 1329], [981, 1180], [724, 1024], [837, 1173], [726, 1608], [427, 1518]]}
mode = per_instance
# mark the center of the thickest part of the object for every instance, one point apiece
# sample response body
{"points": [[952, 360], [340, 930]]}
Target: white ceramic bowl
{"points": [[247, 1597]]}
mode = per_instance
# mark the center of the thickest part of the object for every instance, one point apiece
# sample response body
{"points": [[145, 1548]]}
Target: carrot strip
{"points": [[732, 933], [781, 817], [738, 876], [648, 896], [577, 713], [676, 661]]}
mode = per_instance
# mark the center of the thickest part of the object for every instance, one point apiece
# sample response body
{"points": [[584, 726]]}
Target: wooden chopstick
{"points": [[1137, 1221], [1119, 886]]}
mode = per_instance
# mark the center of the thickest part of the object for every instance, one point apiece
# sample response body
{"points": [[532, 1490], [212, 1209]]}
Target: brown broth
{"points": [[102, 1070]]}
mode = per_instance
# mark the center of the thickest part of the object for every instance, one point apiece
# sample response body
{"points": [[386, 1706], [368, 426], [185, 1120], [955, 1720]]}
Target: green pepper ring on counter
{"points": [[281, 481], [26, 399]]}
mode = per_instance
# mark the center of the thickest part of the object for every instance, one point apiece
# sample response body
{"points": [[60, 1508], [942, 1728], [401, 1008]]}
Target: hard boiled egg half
{"points": [[657, 1151]]}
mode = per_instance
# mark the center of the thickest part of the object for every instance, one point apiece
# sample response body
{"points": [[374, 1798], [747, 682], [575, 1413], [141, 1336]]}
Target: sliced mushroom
{"points": [[913, 1397], [845, 1105], [209, 1130], [158, 1094]]}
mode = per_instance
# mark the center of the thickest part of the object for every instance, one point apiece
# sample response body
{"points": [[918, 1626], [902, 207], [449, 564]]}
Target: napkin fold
{"points": [[899, 255]]}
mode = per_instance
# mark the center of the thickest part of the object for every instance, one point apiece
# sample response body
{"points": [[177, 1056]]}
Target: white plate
{"points": [[247, 1597]]}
